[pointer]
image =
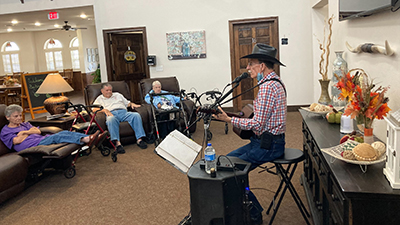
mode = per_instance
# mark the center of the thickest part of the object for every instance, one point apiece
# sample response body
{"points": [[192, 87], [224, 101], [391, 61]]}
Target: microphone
{"points": [[240, 78]]}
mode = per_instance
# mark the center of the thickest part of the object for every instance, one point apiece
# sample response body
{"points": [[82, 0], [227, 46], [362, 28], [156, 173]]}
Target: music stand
{"points": [[178, 150]]}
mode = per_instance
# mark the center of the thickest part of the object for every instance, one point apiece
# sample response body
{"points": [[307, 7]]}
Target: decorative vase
{"points": [[339, 70], [324, 98], [368, 135]]}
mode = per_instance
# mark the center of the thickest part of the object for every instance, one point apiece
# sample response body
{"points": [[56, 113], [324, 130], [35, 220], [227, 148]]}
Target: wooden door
{"points": [[244, 34], [118, 42]]}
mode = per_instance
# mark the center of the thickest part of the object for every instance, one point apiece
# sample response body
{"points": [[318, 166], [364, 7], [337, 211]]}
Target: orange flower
{"points": [[366, 101]]}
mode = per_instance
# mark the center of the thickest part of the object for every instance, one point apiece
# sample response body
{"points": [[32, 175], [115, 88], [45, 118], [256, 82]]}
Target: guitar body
{"points": [[247, 112]]}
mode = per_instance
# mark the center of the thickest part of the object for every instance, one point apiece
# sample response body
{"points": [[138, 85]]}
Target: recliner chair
{"points": [[127, 135], [169, 84], [17, 167]]}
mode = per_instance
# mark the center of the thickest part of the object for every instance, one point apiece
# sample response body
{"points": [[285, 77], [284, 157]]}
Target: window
{"points": [[54, 60], [74, 46], [10, 57]]}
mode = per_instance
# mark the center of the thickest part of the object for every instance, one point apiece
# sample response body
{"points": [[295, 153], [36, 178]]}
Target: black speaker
{"points": [[220, 200]]}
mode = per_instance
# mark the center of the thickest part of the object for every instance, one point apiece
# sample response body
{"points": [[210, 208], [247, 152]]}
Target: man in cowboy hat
{"points": [[269, 121]]}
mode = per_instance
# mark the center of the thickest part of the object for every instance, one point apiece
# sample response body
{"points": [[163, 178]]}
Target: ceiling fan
{"points": [[67, 27]]}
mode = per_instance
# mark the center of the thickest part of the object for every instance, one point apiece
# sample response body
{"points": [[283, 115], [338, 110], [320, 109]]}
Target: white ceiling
{"points": [[27, 20]]}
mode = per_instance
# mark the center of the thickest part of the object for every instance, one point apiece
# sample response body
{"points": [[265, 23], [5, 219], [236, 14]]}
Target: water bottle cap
{"points": [[209, 144]]}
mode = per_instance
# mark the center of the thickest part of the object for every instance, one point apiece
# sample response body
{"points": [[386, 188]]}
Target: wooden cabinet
{"points": [[339, 192]]}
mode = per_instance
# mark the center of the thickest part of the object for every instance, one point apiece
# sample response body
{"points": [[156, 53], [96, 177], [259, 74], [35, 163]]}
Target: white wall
{"points": [[161, 17], [64, 37], [25, 42], [31, 44], [87, 39], [298, 21], [385, 70]]}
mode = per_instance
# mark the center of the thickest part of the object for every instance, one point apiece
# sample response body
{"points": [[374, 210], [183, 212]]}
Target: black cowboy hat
{"points": [[264, 52]]}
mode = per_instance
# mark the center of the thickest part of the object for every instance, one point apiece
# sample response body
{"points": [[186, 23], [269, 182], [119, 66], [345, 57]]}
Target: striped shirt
{"points": [[269, 109]]}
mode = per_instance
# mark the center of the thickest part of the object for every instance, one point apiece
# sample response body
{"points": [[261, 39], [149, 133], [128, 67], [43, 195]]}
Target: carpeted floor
{"points": [[140, 188]]}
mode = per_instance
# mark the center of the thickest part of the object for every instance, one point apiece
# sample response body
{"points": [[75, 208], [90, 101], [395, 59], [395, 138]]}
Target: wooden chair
{"points": [[4, 97], [17, 76], [69, 76], [14, 97]]}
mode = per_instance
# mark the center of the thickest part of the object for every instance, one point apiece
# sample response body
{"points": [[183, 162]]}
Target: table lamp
{"points": [[54, 84]]}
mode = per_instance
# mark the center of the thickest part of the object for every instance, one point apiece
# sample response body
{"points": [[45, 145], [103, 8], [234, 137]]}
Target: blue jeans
{"points": [[63, 137], [255, 155], [133, 118]]}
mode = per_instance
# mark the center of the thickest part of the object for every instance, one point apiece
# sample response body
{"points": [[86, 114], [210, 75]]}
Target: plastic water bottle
{"points": [[209, 155]]}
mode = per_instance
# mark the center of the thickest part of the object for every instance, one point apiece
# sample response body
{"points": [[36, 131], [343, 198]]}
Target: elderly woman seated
{"points": [[20, 135], [165, 102]]}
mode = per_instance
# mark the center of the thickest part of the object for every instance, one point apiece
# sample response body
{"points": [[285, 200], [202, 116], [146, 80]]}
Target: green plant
{"points": [[97, 76]]}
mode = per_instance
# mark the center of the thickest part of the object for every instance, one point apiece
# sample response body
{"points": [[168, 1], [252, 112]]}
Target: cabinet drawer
{"points": [[323, 173], [337, 202]]}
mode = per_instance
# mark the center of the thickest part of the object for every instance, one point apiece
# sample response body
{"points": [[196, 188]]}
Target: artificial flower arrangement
{"points": [[366, 101], [10, 81]]}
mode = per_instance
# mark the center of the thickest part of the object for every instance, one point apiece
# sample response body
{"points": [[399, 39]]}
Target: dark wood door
{"points": [[244, 34], [118, 42]]}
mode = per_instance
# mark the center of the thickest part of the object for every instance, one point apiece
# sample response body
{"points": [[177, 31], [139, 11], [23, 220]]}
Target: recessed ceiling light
{"points": [[83, 16], [14, 22], [9, 29], [56, 25], [37, 24]]}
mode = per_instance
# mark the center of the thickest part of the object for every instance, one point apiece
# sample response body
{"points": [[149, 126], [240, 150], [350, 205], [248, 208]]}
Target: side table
{"points": [[64, 123]]}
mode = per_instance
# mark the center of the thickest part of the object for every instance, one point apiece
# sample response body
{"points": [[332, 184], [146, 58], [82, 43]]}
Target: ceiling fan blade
{"points": [[82, 28], [56, 29]]}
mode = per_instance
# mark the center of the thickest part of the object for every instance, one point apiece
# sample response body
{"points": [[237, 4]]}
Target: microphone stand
{"points": [[207, 117]]}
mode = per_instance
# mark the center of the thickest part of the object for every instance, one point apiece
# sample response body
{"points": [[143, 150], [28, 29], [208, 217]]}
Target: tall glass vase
{"points": [[324, 98], [339, 70]]}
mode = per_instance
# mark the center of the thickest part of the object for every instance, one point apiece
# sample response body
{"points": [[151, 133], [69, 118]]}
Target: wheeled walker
{"points": [[81, 124]]}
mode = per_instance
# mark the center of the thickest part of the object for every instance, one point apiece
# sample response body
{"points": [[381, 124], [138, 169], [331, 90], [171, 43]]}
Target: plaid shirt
{"points": [[269, 109]]}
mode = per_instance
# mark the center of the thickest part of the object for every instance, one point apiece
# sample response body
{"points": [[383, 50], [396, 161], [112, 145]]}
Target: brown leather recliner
{"points": [[127, 135], [169, 84], [16, 167]]}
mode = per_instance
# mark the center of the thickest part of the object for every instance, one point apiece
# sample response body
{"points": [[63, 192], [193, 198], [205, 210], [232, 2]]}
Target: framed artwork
{"points": [[186, 45], [93, 51], [96, 50], [88, 51]]}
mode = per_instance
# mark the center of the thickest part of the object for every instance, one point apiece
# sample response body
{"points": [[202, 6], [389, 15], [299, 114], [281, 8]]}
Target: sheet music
{"points": [[179, 150]]}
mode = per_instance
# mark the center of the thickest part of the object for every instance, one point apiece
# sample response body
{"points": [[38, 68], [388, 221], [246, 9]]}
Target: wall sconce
{"points": [[8, 44], [52, 42]]}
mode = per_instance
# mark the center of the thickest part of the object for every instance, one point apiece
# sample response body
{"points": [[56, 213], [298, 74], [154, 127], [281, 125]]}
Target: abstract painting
{"points": [[186, 45]]}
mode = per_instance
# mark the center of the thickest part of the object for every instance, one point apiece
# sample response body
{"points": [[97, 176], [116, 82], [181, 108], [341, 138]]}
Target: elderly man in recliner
{"points": [[115, 107]]}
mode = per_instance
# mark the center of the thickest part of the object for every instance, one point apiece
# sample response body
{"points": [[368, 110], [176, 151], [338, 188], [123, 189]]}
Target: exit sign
{"points": [[53, 15]]}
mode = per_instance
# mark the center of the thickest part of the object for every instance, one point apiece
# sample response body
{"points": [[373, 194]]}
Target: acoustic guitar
{"points": [[247, 112]]}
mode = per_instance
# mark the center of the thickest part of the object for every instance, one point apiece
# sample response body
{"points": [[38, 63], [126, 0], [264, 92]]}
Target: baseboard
{"points": [[295, 108]]}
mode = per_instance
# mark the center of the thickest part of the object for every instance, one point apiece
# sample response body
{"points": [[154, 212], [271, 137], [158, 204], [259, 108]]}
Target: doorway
{"points": [[244, 34], [126, 57]]}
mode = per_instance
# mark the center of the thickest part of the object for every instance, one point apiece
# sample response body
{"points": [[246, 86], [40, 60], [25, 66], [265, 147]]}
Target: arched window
{"points": [[52, 48], [74, 48], [10, 57]]}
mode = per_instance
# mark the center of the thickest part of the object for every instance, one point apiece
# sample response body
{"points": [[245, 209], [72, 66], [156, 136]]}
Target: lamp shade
{"points": [[54, 84]]}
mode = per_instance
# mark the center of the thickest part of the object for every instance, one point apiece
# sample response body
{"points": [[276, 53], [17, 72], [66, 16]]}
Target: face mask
{"points": [[260, 76]]}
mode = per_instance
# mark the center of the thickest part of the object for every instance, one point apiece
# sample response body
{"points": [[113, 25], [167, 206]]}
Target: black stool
{"points": [[290, 157]]}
